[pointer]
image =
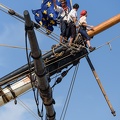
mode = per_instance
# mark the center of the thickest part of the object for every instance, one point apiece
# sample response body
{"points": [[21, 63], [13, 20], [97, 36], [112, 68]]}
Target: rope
{"points": [[12, 16], [32, 68], [52, 35], [21, 19], [41, 29], [108, 43], [10, 46], [31, 78], [3, 45], [57, 54], [69, 93], [67, 63], [69, 55], [28, 109]]}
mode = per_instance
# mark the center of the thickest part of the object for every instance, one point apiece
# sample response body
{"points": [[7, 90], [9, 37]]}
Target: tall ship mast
{"points": [[39, 72]]}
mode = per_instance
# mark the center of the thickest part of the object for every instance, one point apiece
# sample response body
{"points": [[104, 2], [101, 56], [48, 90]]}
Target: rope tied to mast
{"points": [[13, 93], [11, 12]]}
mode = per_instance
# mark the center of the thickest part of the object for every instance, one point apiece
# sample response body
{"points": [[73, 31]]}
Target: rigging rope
{"points": [[21, 18], [10, 46], [69, 93], [108, 43], [31, 78], [27, 108], [32, 68], [42, 30]]}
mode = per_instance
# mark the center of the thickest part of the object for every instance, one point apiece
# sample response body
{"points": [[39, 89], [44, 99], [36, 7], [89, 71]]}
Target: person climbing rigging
{"points": [[84, 27], [63, 15]]}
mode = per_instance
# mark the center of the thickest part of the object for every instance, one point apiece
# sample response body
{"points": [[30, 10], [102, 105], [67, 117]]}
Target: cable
{"points": [[3, 45], [31, 78], [10, 46], [108, 43], [69, 93], [52, 35], [27, 108], [41, 29], [32, 68], [59, 79]]}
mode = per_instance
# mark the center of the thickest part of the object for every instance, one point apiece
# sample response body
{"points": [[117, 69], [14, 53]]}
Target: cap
{"points": [[83, 12]]}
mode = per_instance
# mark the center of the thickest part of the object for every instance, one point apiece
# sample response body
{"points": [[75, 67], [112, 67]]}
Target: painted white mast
{"points": [[12, 91]]}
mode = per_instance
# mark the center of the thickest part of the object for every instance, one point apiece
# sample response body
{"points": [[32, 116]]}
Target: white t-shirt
{"points": [[71, 15], [62, 12], [82, 20]]}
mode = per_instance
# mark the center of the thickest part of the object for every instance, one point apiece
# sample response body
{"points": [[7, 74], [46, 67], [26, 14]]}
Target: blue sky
{"points": [[87, 101]]}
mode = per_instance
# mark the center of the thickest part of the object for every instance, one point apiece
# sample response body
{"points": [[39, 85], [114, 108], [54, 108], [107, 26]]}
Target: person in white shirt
{"points": [[84, 27], [63, 14], [72, 19]]}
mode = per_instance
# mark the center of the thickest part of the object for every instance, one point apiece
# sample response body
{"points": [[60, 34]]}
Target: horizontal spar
{"points": [[104, 25]]}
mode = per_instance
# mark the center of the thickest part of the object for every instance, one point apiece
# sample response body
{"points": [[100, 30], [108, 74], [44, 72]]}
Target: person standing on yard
{"points": [[84, 27], [63, 15], [72, 19]]}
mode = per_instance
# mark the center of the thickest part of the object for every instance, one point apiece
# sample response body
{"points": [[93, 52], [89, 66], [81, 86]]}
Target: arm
{"points": [[83, 22], [90, 27], [54, 2], [56, 7], [86, 25], [77, 26], [74, 20], [74, 17]]}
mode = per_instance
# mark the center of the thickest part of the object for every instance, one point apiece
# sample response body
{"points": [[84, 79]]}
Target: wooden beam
{"points": [[104, 25]]}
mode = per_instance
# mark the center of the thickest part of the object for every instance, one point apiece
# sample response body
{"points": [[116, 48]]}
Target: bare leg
{"points": [[89, 46], [71, 40], [61, 38], [65, 39], [88, 43]]}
